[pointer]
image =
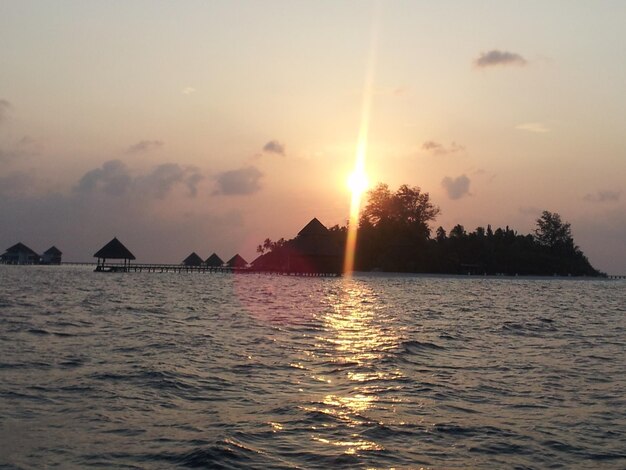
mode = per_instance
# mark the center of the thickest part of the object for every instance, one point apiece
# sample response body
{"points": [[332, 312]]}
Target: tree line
{"points": [[394, 234]]}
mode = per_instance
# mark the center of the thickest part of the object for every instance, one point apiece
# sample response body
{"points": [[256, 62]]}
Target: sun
{"points": [[358, 183]]}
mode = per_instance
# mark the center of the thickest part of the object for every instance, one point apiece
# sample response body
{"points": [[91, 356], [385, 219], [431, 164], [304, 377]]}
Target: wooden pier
{"points": [[181, 268]]}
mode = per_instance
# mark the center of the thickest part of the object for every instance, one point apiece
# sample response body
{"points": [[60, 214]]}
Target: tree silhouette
{"points": [[407, 206], [394, 235], [552, 232]]}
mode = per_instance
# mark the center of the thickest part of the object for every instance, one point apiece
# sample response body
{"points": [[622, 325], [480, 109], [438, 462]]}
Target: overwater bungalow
{"points": [[193, 260], [237, 261], [51, 256], [19, 254], [313, 251], [214, 261], [113, 250]]}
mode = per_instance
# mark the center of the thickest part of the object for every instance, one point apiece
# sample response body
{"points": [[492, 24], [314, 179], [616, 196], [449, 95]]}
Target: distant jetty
{"points": [[313, 253]]}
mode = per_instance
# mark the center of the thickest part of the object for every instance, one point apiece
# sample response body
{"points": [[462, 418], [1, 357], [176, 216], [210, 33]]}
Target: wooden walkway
{"points": [[181, 268]]}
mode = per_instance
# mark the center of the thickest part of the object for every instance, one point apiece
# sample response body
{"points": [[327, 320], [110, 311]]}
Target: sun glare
{"points": [[358, 182]]}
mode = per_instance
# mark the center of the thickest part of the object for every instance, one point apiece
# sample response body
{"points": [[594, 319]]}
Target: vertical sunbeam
{"points": [[361, 149]]}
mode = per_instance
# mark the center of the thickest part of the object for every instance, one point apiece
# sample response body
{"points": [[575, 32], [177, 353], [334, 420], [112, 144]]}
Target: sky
{"points": [[210, 126]]}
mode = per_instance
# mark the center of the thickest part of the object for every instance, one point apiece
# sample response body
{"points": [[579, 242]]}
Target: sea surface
{"points": [[191, 370]]}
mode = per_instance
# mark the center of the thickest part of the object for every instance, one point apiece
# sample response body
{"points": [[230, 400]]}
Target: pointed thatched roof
{"points": [[237, 262], [53, 250], [259, 260], [193, 260], [314, 227], [315, 240], [114, 250], [214, 261], [21, 248]]}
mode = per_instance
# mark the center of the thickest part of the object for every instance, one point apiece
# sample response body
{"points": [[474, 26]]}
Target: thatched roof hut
{"points": [[237, 262], [193, 260], [53, 251], [313, 228], [51, 256], [214, 261], [20, 254], [113, 250], [314, 250], [275, 260]]}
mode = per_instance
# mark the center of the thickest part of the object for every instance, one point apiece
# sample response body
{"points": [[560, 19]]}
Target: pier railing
{"points": [[181, 268]]}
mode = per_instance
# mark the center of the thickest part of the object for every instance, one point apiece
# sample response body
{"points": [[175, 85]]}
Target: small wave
{"points": [[458, 430], [502, 448], [225, 454], [38, 331], [417, 347], [530, 328]]}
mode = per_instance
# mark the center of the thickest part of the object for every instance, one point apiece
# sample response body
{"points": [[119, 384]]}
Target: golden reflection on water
{"points": [[359, 338]]}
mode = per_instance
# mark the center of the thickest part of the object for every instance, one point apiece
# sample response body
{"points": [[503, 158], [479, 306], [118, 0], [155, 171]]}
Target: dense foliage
{"points": [[394, 235]]}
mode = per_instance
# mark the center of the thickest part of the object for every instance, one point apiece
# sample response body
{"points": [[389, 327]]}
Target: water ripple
{"points": [[219, 371]]}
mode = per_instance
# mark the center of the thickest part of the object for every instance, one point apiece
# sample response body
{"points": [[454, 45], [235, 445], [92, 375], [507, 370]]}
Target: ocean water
{"points": [[146, 370]]}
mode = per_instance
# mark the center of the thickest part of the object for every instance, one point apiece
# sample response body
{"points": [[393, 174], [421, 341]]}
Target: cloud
{"points": [[163, 178], [113, 178], [273, 146], [603, 196], [25, 147], [5, 156], [439, 149], [537, 127], [456, 187], [239, 182], [17, 183], [144, 146], [496, 57], [79, 221], [5, 107], [188, 90]]}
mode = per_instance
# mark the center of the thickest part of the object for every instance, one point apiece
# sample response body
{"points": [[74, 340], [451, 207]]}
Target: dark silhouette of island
{"points": [[394, 236], [315, 250]]}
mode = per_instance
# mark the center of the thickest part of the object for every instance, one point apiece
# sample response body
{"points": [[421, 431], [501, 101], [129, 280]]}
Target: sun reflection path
{"points": [[356, 341], [358, 178]]}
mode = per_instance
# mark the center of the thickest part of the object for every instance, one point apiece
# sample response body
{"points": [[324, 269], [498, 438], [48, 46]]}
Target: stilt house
{"points": [[51, 256], [214, 261], [113, 250], [20, 254], [193, 260]]}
